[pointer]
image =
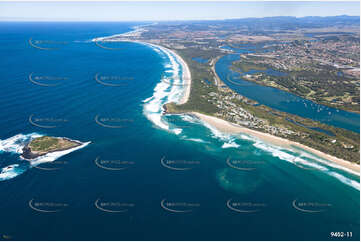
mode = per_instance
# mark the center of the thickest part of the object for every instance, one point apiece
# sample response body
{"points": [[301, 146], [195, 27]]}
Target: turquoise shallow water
{"points": [[144, 175]]}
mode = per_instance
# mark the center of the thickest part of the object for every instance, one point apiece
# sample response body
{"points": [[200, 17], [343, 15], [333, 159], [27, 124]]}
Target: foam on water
{"points": [[55, 155], [15, 144], [345, 180], [197, 140], [6, 174], [325, 162], [189, 118], [229, 140], [165, 92], [278, 152], [230, 145]]}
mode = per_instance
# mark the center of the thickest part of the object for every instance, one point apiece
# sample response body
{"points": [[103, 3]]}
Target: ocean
{"points": [[142, 175]]}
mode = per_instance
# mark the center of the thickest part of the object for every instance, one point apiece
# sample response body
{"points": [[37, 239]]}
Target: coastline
{"points": [[228, 127], [53, 155], [27, 154], [186, 74], [231, 128]]}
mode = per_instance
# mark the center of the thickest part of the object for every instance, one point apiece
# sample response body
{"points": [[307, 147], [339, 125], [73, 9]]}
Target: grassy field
{"points": [[48, 144]]}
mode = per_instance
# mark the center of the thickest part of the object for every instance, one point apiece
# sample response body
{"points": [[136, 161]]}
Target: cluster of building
{"points": [[304, 54], [226, 101]]}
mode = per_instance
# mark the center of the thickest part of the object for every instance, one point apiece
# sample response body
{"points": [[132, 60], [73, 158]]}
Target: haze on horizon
{"points": [[162, 11]]}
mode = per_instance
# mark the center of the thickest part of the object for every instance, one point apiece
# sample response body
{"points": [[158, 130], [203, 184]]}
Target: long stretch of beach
{"points": [[187, 78], [186, 74], [227, 127], [231, 128]]}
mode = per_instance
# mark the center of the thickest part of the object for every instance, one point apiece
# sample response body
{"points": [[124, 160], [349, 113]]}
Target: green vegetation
{"points": [[323, 87], [320, 59], [199, 87], [247, 66], [46, 144], [337, 142]]}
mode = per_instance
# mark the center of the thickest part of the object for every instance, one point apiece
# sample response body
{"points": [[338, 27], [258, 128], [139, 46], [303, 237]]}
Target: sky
{"points": [[170, 10]]}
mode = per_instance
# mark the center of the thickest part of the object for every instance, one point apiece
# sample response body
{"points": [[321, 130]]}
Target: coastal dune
{"points": [[227, 127], [231, 128]]}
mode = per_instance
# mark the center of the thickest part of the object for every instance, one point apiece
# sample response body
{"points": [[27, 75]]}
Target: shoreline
{"points": [[228, 127], [27, 154], [59, 152], [186, 74]]}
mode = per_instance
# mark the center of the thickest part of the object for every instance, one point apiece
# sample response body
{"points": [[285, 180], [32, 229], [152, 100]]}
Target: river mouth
{"points": [[282, 100], [210, 184]]}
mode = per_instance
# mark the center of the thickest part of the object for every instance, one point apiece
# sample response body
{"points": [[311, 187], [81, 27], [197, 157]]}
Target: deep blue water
{"points": [[71, 99], [285, 101]]}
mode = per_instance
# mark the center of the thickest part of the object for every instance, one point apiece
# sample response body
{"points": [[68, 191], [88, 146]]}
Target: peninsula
{"points": [[202, 44]]}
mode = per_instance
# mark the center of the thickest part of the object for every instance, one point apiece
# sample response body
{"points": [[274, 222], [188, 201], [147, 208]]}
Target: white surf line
{"points": [[186, 76], [180, 86], [277, 151]]}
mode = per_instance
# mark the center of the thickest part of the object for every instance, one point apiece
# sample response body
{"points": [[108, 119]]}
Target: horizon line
{"points": [[16, 19]]}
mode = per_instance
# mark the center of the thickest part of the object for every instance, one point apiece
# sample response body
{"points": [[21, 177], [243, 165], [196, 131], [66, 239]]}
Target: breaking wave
{"points": [[15, 145], [300, 159], [166, 91]]}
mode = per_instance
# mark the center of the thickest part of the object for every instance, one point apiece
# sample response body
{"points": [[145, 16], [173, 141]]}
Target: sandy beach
{"points": [[186, 74], [231, 128], [186, 77]]}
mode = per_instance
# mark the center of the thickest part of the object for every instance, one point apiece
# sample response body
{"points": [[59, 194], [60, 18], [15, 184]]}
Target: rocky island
{"points": [[43, 145]]}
